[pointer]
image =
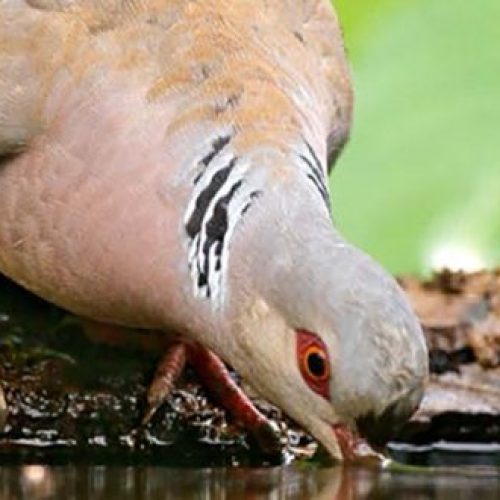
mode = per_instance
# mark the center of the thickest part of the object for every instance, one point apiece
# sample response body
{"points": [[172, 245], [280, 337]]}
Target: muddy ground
{"points": [[67, 399]]}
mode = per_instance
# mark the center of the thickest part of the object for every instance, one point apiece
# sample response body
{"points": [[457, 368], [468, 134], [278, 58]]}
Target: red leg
{"points": [[169, 368], [215, 376]]}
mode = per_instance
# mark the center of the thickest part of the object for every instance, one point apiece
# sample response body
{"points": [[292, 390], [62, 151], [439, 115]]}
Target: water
{"points": [[35, 482]]}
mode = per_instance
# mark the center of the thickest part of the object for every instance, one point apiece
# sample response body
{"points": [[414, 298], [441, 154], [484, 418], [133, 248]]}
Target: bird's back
{"points": [[200, 49]]}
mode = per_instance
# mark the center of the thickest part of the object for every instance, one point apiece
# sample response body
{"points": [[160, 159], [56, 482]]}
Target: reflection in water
{"points": [[35, 482]]}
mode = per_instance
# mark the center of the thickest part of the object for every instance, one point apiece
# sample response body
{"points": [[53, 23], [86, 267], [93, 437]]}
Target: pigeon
{"points": [[164, 166]]}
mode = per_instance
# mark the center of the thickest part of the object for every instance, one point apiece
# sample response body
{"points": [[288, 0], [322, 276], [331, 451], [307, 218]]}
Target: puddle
{"points": [[154, 483]]}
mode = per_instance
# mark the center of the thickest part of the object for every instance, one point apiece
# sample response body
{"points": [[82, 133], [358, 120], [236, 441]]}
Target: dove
{"points": [[164, 166]]}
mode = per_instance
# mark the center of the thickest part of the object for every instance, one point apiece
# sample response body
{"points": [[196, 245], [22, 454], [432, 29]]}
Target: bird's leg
{"points": [[167, 372], [214, 375], [218, 381], [211, 371]]}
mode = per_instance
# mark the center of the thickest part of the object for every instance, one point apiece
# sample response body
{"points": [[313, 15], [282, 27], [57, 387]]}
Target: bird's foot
{"points": [[216, 378]]}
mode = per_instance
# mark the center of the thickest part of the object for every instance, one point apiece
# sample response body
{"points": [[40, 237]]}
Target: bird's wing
{"points": [[19, 82], [37, 39], [36, 36]]}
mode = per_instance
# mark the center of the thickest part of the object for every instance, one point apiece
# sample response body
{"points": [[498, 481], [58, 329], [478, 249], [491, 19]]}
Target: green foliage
{"points": [[359, 17], [423, 166]]}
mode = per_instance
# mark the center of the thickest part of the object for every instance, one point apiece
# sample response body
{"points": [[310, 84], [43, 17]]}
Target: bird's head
{"points": [[331, 338]]}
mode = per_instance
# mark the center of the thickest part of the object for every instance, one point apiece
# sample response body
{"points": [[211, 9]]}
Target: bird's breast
{"points": [[91, 211]]}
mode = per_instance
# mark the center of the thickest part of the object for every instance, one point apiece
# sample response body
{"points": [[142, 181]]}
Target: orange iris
{"points": [[314, 362]]}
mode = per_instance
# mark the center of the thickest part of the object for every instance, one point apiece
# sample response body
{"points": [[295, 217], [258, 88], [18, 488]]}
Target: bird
{"points": [[164, 166]]}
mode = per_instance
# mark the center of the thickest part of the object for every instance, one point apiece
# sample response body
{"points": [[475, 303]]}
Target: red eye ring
{"points": [[314, 362]]}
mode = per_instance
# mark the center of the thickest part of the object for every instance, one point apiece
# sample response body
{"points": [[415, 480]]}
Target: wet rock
{"points": [[472, 391]]}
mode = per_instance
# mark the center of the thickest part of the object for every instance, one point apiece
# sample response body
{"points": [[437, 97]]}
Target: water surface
{"points": [[154, 483]]}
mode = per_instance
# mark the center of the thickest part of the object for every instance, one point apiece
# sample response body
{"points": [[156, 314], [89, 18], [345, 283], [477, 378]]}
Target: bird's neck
{"points": [[244, 197], [254, 223]]}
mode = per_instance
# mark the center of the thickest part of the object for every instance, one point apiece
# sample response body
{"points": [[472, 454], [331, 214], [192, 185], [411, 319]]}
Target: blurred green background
{"points": [[419, 183]]}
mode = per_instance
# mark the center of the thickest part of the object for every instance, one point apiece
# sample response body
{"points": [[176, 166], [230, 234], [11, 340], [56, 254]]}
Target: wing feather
{"points": [[316, 22], [35, 38], [19, 84]]}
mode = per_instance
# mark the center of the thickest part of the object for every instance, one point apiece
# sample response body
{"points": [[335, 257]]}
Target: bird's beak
{"points": [[355, 450], [347, 441], [341, 442], [322, 431]]}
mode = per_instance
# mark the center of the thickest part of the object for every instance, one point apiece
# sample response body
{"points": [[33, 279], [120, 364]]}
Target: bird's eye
{"points": [[314, 363]]}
